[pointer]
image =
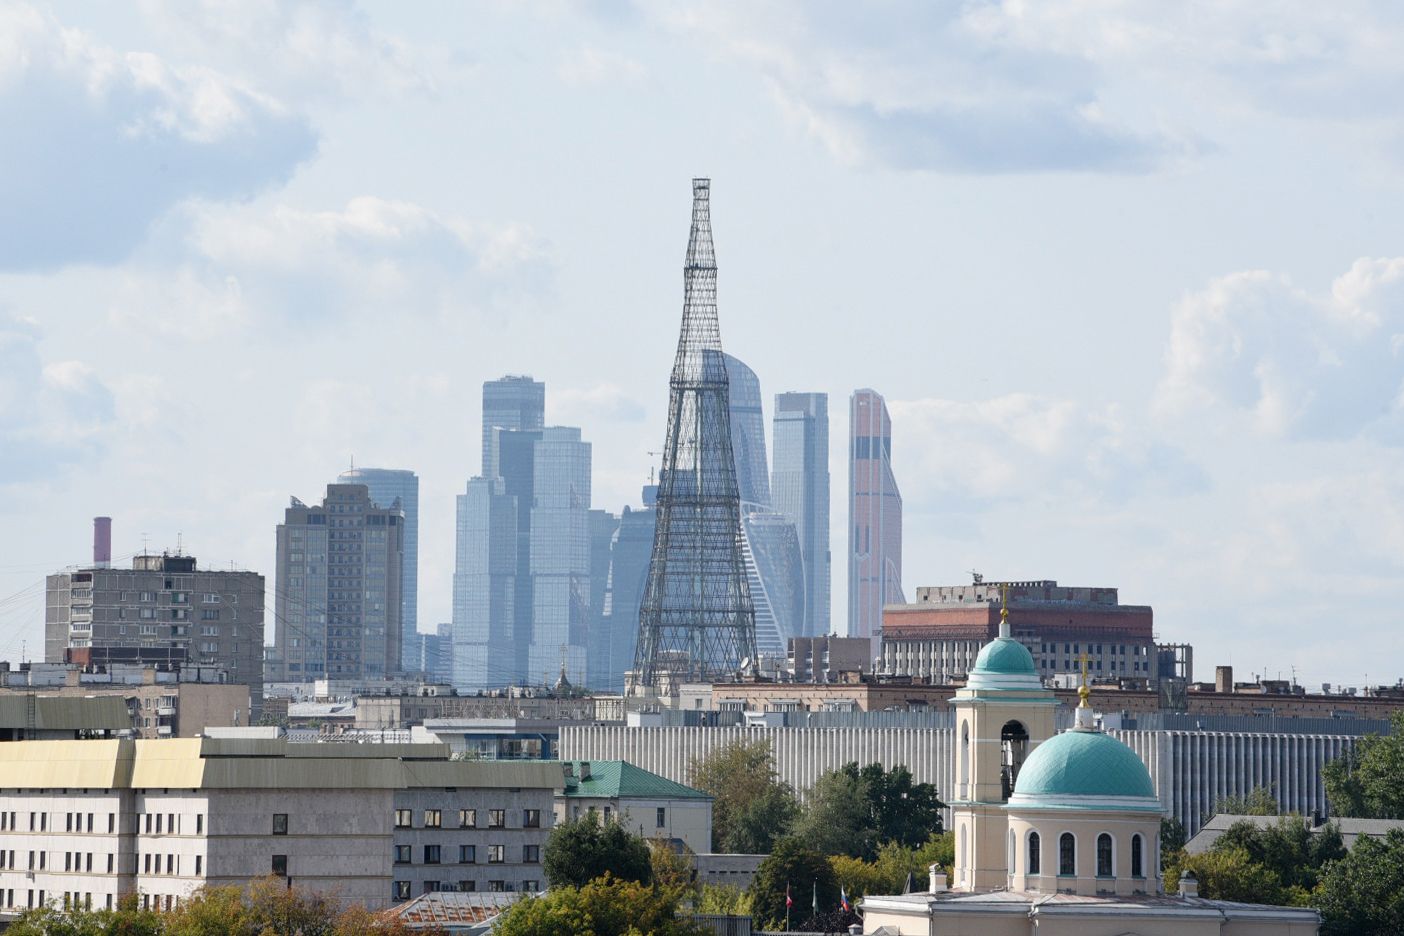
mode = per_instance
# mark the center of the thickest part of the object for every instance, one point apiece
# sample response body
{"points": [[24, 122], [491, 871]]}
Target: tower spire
{"points": [[696, 621]]}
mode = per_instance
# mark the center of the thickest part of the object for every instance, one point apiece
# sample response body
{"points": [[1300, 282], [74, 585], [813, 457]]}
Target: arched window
{"points": [[1067, 855], [1137, 870], [1104, 855], [1014, 744], [1033, 853], [964, 759]]}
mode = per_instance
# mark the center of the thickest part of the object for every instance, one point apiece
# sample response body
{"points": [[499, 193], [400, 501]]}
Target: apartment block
{"points": [[87, 823]]}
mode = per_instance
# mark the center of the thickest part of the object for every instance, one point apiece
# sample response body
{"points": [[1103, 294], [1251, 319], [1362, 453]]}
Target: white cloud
{"points": [[923, 86], [591, 66], [1290, 363], [102, 142], [51, 414], [580, 406], [1025, 447], [320, 47]]}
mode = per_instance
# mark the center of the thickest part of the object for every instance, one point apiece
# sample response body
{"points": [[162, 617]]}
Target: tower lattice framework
{"points": [[696, 622]]}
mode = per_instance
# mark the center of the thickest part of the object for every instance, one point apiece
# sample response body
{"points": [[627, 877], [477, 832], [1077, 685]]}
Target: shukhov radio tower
{"points": [[696, 622]]}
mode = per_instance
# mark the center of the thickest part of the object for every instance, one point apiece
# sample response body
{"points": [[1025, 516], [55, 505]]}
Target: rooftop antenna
{"points": [[144, 550], [979, 577], [180, 543]]}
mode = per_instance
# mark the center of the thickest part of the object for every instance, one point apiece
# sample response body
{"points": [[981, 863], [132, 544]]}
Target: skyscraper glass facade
{"points": [[513, 403], [875, 517], [799, 484], [747, 434]]}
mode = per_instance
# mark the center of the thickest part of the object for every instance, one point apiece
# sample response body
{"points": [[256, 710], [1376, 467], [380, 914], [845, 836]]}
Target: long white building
{"points": [[88, 822]]}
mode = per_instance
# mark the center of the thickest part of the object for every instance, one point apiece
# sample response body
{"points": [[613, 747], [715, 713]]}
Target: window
{"points": [[497, 818], [1067, 855], [530, 887], [531, 819], [110, 861], [402, 890], [531, 854], [467, 818], [467, 887], [146, 864], [497, 854], [90, 822], [199, 824], [431, 887], [497, 886], [280, 823], [662, 817], [1137, 869], [403, 854], [280, 865], [467, 854], [199, 864], [404, 818], [1033, 853], [170, 864], [1104, 855], [433, 818], [431, 854]]}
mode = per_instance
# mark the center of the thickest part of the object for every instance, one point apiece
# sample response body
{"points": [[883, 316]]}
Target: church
{"points": [[1055, 833]]}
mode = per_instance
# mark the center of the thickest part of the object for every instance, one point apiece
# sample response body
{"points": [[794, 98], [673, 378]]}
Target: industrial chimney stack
{"points": [[102, 542]]}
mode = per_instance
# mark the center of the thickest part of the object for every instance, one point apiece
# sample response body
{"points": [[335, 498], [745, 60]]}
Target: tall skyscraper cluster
{"points": [[875, 517]]}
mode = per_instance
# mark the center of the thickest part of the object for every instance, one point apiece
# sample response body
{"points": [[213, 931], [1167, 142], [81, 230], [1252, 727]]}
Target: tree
{"points": [[1288, 848], [1172, 839], [1230, 874], [603, 907], [1368, 780], [723, 899], [895, 863], [580, 850], [901, 811], [801, 869], [837, 820], [1363, 893], [751, 808], [1258, 802]]}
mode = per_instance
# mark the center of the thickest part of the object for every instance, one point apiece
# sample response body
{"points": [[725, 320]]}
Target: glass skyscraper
{"points": [[874, 517], [560, 555], [387, 486], [483, 654], [513, 403], [799, 483]]}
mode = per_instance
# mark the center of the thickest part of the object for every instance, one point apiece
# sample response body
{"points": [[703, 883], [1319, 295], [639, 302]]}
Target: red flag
{"points": [[788, 902]]}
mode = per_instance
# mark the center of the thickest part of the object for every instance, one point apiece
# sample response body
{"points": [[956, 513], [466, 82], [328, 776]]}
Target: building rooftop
{"points": [[1350, 829], [615, 779], [1092, 767], [1034, 905], [454, 911], [21, 711]]}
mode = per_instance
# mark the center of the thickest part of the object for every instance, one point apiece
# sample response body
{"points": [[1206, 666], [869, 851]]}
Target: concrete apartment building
{"points": [[164, 611], [161, 701], [339, 602], [89, 822], [824, 659], [937, 637]]}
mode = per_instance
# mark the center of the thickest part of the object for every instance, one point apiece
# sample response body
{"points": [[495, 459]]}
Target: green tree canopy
{"points": [[581, 850], [751, 808], [603, 907], [1368, 780], [837, 820], [900, 809], [1288, 848], [1363, 893], [1230, 874], [805, 872]]}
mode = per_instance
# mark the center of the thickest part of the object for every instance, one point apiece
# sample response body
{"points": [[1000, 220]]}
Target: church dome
{"points": [[1004, 663], [1084, 769]]}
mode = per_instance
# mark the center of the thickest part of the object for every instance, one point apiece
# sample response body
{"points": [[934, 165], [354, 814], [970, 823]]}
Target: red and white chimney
{"points": [[102, 542]]}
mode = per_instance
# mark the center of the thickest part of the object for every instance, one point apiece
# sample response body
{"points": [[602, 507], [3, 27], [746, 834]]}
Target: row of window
{"points": [[151, 864], [467, 854], [401, 889], [1067, 855], [467, 819]]}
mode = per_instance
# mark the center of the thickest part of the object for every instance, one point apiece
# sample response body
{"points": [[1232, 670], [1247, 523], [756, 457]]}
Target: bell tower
{"points": [[1001, 715]]}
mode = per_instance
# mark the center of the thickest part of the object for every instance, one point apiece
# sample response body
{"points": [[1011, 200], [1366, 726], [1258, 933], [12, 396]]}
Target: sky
{"points": [[1129, 274]]}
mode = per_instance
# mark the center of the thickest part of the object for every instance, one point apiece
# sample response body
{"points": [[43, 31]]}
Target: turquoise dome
{"points": [[1084, 769], [1004, 656]]}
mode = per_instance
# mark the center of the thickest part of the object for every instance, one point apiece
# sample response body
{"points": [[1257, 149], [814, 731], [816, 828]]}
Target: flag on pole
{"points": [[843, 900], [789, 902], [815, 904]]}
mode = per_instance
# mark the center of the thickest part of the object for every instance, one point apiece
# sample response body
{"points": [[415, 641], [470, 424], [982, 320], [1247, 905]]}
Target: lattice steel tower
{"points": [[696, 622]]}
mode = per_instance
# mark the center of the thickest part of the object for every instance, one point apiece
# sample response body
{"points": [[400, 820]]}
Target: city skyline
{"points": [[1124, 330]]}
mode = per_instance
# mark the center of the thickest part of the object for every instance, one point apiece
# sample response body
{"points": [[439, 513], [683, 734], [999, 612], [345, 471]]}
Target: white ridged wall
{"points": [[1192, 770]]}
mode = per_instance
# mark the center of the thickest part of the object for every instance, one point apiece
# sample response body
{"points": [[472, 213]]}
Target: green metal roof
{"points": [[1004, 656], [1083, 764], [612, 779]]}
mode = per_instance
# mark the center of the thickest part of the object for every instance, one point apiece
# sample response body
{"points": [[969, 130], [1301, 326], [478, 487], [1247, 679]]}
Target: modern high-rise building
{"points": [[604, 526], [338, 588], [513, 403], [164, 611], [560, 555], [775, 570], [874, 517], [747, 434], [391, 487], [799, 484], [612, 643], [483, 631]]}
